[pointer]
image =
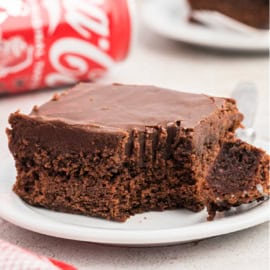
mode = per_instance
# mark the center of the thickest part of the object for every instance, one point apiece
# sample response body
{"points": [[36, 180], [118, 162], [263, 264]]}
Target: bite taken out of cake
{"points": [[112, 151]]}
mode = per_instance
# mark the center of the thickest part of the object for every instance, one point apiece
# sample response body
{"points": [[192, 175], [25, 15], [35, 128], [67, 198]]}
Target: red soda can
{"points": [[48, 43]]}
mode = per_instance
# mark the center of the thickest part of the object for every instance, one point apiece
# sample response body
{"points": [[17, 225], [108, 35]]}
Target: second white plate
{"points": [[169, 19]]}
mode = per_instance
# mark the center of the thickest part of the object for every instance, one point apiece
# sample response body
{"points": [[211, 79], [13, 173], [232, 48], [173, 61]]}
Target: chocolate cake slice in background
{"points": [[254, 13], [115, 150], [240, 174]]}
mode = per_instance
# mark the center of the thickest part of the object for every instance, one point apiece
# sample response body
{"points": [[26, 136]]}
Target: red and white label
{"points": [[54, 42]]}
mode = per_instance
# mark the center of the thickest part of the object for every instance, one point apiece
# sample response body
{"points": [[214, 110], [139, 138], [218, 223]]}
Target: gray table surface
{"points": [[162, 62]]}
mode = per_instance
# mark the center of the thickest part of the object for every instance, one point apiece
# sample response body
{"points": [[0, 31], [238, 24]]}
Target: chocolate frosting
{"points": [[127, 106]]}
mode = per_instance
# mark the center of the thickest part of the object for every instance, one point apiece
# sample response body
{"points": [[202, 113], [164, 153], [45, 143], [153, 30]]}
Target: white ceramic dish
{"points": [[169, 19], [149, 229]]}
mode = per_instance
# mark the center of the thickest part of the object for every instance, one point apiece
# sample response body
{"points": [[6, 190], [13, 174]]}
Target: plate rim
{"points": [[134, 237], [32, 220], [151, 22]]}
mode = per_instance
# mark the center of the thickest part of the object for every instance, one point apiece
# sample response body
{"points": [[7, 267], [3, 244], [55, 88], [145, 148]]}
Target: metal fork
{"points": [[246, 95]]}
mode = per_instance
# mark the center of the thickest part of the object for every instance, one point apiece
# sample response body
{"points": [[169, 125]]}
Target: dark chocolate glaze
{"points": [[127, 107], [74, 120]]}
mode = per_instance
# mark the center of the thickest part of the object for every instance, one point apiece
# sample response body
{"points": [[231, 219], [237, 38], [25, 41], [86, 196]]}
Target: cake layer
{"points": [[250, 12], [240, 174], [113, 151]]}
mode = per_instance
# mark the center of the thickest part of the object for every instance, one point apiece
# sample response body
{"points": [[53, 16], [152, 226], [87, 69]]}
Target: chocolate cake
{"points": [[115, 150], [250, 12], [240, 174]]}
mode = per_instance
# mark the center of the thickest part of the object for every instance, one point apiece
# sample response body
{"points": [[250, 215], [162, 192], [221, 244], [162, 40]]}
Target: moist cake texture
{"points": [[239, 174], [112, 151], [250, 12]]}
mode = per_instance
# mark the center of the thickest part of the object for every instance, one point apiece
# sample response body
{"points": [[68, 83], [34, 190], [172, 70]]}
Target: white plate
{"points": [[149, 229], [169, 19]]}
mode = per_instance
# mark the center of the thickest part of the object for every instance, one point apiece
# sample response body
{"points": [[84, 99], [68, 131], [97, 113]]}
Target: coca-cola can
{"points": [[48, 43]]}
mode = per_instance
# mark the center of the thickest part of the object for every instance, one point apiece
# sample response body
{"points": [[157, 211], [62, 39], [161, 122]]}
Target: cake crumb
{"points": [[35, 108], [55, 97]]}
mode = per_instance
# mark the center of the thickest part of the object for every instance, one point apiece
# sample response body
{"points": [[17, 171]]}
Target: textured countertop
{"points": [[158, 61]]}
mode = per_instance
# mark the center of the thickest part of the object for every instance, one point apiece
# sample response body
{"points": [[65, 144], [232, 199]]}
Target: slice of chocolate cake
{"points": [[113, 151], [240, 174], [250, 12]]}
